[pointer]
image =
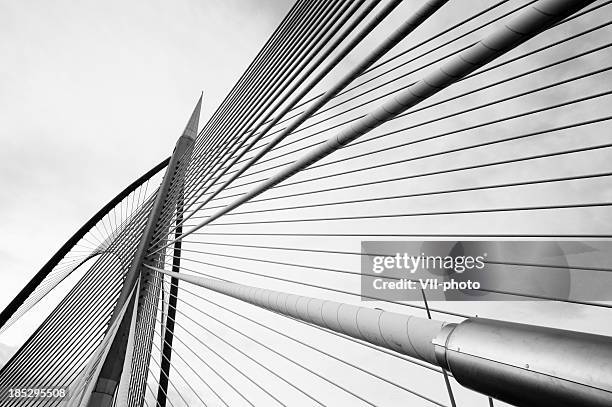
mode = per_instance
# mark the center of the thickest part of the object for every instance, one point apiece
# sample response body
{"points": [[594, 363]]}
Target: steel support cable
{"points": [[291, 249], [427, 174], [280, 99], [94, 244], [417, 46], [330, 128], [444, 373], [82, 244], [280, 263], [306, 73], [430, 193], [56, 277], [539, 265], [528, 24], [180, 375], [25, 366], [276, 353], [312, 39], [422, 43], [97, 237], [309, 31], [249, 357], [143, 350], [58, 273], [348, 48], [264, 57], [156, 382], [383, 379], [34, 343], [12, 307], [56, 383], [406, 28], [108, 235], [70, 375], [139, 374], [207, 365], [321, 42], [526, 135], [432, 213], [470, 76], [205, 192], [153, 393], [92, 366], [449, 171], [86, 373], [79, 383], [486, 87], [448, 116], [150, 332], [58, 374], [194, 372], [56, 317], [168, 378], [339, 252], [438, 153], [359, 274], [271, 54], [81, 335], [302, 283], [296, 42], [453, 235], [297, 106]]}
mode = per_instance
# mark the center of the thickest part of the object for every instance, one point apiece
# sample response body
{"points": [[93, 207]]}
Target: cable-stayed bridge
{"points": [[232, 272]]}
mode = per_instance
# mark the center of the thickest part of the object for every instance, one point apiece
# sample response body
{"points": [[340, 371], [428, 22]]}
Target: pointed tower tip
{"points": [[191, 130]]}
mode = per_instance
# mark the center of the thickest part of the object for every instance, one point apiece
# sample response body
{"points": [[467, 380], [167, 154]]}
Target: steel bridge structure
{"points": [[230, 273]]}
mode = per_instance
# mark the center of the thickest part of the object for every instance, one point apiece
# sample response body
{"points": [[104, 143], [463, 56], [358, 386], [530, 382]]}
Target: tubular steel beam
{"points": [[525, 365], [110, 373]]}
